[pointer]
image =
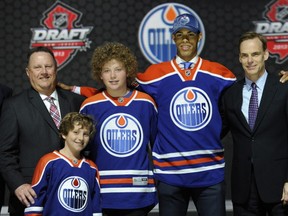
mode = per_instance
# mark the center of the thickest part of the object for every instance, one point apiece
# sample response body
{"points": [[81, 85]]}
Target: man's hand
{"points": [[69, 88], [25, 194], [284, 76], [285, 194]]}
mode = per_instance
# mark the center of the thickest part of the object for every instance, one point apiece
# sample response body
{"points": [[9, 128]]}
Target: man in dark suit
{"points": [[5, 92], [260, 153], [27, 128]]}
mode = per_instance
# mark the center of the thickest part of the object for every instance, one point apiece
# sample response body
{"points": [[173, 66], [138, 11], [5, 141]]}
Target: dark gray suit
{"points": [[5, 92], [27, 133], [266, 146]]}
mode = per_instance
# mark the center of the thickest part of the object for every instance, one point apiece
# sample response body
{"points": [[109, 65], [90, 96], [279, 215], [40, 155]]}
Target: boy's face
{"points": [[77, 139], [114, 77]]}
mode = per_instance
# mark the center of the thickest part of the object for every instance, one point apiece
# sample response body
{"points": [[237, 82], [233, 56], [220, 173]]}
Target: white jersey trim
{"points": [[34, 209], [191, 170], [128, 190], [189, 153], [125, 172]]}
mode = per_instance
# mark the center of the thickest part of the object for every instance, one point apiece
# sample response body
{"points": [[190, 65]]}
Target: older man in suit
{"points": [[5, 92], [27, 128], [256, 111]]}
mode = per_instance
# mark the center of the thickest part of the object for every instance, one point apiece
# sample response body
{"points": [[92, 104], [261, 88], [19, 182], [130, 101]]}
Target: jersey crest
{"points": [[73, 193], [191, 109], [121, 135]]}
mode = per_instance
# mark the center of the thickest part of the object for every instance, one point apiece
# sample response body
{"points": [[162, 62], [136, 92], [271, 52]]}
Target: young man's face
{"points": [[186, 43]]}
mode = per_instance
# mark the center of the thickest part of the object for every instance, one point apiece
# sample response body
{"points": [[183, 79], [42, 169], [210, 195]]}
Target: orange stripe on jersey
{"points": [[187, 162], [216, 68], [34, 214], [142, 95], [121, 181], [41, 164], [93, 99], [92, 164], [155, 71], [88, 91]]}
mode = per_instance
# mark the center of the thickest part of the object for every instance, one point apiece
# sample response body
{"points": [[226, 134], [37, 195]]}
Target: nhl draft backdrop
{"points": [[74, 28]]}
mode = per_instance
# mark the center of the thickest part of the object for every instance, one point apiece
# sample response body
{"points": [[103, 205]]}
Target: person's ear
{"points": [[63, 136], [27, 71]]}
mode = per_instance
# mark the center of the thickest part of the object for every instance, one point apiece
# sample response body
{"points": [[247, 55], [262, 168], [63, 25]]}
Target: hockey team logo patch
{"points": [[154, 35], [275, 29], [121, 135], [62, 33], [191, 109], [73, 194]]}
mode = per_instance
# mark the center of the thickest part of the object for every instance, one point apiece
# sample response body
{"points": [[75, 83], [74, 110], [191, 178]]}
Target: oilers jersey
{"points": [[64, 188], [187, 151], [125, 128]]}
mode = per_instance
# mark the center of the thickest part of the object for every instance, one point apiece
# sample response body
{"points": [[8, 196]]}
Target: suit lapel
{"points": [[269, 92], [63, 103], [238, 100], [39, 105]]}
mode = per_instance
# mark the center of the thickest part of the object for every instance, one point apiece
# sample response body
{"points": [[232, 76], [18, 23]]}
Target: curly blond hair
{"points": [[114, 50]]}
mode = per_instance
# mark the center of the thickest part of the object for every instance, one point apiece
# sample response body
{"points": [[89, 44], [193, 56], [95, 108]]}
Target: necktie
{"points": [[54, 111], [187, 65], [253, 106]]}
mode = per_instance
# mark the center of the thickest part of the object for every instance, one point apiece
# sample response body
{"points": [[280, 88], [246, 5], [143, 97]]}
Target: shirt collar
{"points": [[180, 60], [53, 95], [259, 83]]}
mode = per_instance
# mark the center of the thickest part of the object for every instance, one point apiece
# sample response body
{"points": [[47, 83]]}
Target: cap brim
{"points": [[186, 27]]}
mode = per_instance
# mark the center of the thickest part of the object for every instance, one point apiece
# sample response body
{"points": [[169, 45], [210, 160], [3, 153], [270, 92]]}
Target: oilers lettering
{"points": [[74, 198], [154, 35], [121, 139], [191, 109], [158, 41], [121, 135], [191, 114]]}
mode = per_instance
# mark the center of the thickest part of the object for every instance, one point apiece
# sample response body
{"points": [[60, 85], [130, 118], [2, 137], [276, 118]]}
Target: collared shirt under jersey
{"points": [[247, 91], [180, 60]]}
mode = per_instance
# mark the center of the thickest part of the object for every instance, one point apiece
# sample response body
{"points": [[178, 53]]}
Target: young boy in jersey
{"points": [[125, 129], [66, 183]]}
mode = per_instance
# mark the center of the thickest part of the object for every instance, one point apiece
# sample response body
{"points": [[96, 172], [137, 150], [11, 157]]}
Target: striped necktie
{"points": [[253, 106], [54, 111]]}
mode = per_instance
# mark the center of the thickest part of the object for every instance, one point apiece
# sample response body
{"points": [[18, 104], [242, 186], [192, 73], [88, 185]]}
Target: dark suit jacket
{"points": [[266, 146], [28, 132], [5, 92]]}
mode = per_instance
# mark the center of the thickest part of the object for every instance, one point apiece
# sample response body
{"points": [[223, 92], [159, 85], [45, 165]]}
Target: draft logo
{"points": [[154, 35], [61, 32], [275, 29]]}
